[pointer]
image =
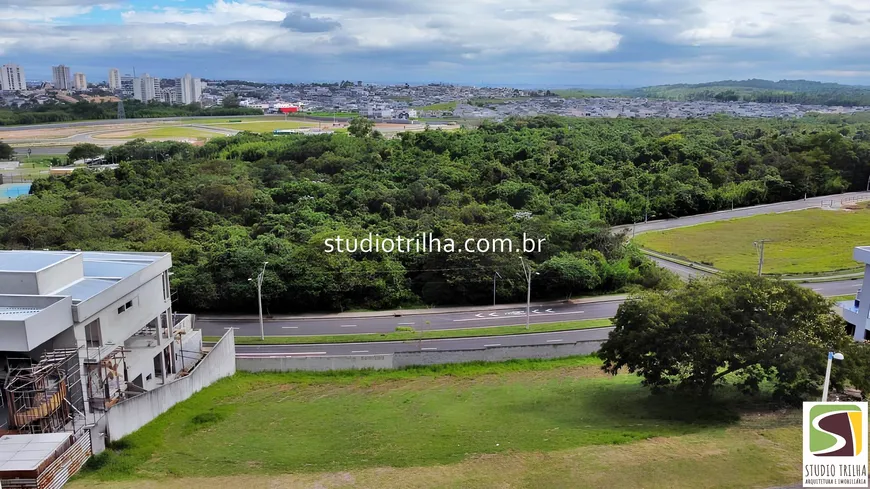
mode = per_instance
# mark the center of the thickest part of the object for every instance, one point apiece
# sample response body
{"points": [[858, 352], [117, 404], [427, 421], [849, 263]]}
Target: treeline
{"points": [[133, 109], [764, 91], [224, 208]]}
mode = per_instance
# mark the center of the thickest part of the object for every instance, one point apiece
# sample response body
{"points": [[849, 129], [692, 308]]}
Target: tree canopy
{"points": [[84, 151], [749, 328]]}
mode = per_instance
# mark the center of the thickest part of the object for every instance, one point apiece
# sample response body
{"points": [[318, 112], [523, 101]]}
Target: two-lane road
{"points": [[421, 322]]}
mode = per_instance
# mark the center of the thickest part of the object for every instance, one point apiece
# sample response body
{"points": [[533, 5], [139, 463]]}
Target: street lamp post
{"points": [[831, 357], [493, 286], [260, 297], [527, 271]]}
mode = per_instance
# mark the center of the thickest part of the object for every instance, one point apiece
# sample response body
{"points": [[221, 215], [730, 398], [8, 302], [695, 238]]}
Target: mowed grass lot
{"points": [[801, 242], [557, 423], [265, 126], [175, 132]]}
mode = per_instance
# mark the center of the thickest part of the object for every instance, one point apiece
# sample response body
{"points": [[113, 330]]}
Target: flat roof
{"points": [[30, 261], [83, 289], [27, 452]]}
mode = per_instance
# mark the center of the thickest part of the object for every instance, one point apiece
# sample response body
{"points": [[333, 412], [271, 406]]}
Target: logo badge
{"points": [[835, 444]]}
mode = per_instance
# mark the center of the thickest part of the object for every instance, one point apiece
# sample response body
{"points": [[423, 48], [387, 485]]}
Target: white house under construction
{"points": [[79, 332]]}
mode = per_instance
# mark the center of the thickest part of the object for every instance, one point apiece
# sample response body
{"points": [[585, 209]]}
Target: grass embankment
{"points": [[443, 106], [173, 132], [801, 242], [556, 423], [420, 335]]}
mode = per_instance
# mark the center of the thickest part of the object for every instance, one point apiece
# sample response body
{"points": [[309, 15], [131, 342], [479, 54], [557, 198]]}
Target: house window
{"points": [[93, 337], [129, 304], [126, 306]]}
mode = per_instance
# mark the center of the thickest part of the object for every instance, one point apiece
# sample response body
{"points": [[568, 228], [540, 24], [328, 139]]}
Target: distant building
{"points": [[12, 78], [188, 90], [80, 81], [60, 77], [127, 86], [114, 79], [146, 88]]}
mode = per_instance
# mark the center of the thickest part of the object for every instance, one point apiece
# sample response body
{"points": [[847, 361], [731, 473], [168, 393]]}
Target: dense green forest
{"points": [[133, 109], [225, 207], [755, 90]]}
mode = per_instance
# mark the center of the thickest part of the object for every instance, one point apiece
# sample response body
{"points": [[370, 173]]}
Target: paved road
{"points": [[380, 348], [663, 224], [420, 322], [107, 122]]}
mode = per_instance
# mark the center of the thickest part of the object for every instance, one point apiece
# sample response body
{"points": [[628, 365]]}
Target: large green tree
{"points": [[740, 326], [84, 151], [6, 151], [361, 127]]}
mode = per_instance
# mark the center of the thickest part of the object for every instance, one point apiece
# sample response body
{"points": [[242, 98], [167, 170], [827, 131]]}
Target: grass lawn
{"points": [[265, 126], [174, 132], [556, 423], [420, 335], [801, 242]]}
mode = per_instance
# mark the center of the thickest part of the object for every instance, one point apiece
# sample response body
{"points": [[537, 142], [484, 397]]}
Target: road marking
{"points": [[549, 310], [428, 348], [289, 327], [348, 325], [490, 346], [406, 324], [493, 314], [478, 315], [536, 311], [553, 341], [359, 351], [480, 319], [232, 328], [281, 354]]}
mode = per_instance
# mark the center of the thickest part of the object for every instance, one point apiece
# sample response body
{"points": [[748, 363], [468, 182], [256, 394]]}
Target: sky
{"points": [[541, 43]]}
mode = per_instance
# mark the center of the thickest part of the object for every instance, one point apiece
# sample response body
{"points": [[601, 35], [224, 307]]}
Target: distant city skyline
{"points": [[519, 43]]}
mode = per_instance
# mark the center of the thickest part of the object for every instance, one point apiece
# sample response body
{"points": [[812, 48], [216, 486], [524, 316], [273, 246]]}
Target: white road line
{"points": [[359, 351], [406, 324], [281, 354], [348, 325], [490, 346], [232, 328], [479, 319], [289, 327], [493, 314], [428, 348], [553, 341]]}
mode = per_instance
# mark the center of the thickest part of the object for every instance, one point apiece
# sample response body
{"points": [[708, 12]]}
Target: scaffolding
{"points": [[107, 380], [45, 396]]}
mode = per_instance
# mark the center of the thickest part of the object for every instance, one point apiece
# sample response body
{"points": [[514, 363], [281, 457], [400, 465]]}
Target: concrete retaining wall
{"points": [[128, 416], [413, 358], [313, 364]]}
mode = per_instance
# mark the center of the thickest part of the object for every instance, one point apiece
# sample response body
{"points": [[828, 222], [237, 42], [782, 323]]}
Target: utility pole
{"points": [[646, 208], [260, 297], [759, 245], [527, 271], [493, 286], [868, 184]]}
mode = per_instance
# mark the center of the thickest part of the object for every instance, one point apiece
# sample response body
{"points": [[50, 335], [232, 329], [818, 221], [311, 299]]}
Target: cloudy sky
{"points": [[484, 42]]}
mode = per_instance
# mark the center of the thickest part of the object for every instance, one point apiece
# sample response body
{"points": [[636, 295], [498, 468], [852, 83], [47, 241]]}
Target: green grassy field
{"points": [[801, 242], [174, 132], [265, 126], [420, 335], [556, 423]]}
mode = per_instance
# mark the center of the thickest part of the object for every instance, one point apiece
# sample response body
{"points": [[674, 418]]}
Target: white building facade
{"points": [[114, 80], [12, 78], [113, 311], [146, 88], [80, 81], [188, 90], [857, 312], [60, 77]]}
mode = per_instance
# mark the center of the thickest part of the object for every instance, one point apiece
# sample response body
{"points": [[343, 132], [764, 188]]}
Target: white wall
{"points": [[130, 415]]}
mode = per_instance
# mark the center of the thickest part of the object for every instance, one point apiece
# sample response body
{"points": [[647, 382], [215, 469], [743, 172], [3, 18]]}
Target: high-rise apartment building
{"points": [[114, 79], [188, 90], [80, 81], [146, 88], [12, 77], [60, 77], [127, 86]]}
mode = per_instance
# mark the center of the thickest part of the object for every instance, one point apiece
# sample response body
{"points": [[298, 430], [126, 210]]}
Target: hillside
{"points": [[755, 90]]}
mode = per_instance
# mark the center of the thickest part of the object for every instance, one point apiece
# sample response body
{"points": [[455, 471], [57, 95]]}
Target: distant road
{"points": [[104, 122], [794, 205]]}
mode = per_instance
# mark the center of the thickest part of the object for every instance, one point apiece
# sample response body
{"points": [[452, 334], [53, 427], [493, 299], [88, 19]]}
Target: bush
{"points": [[404, 329]]}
